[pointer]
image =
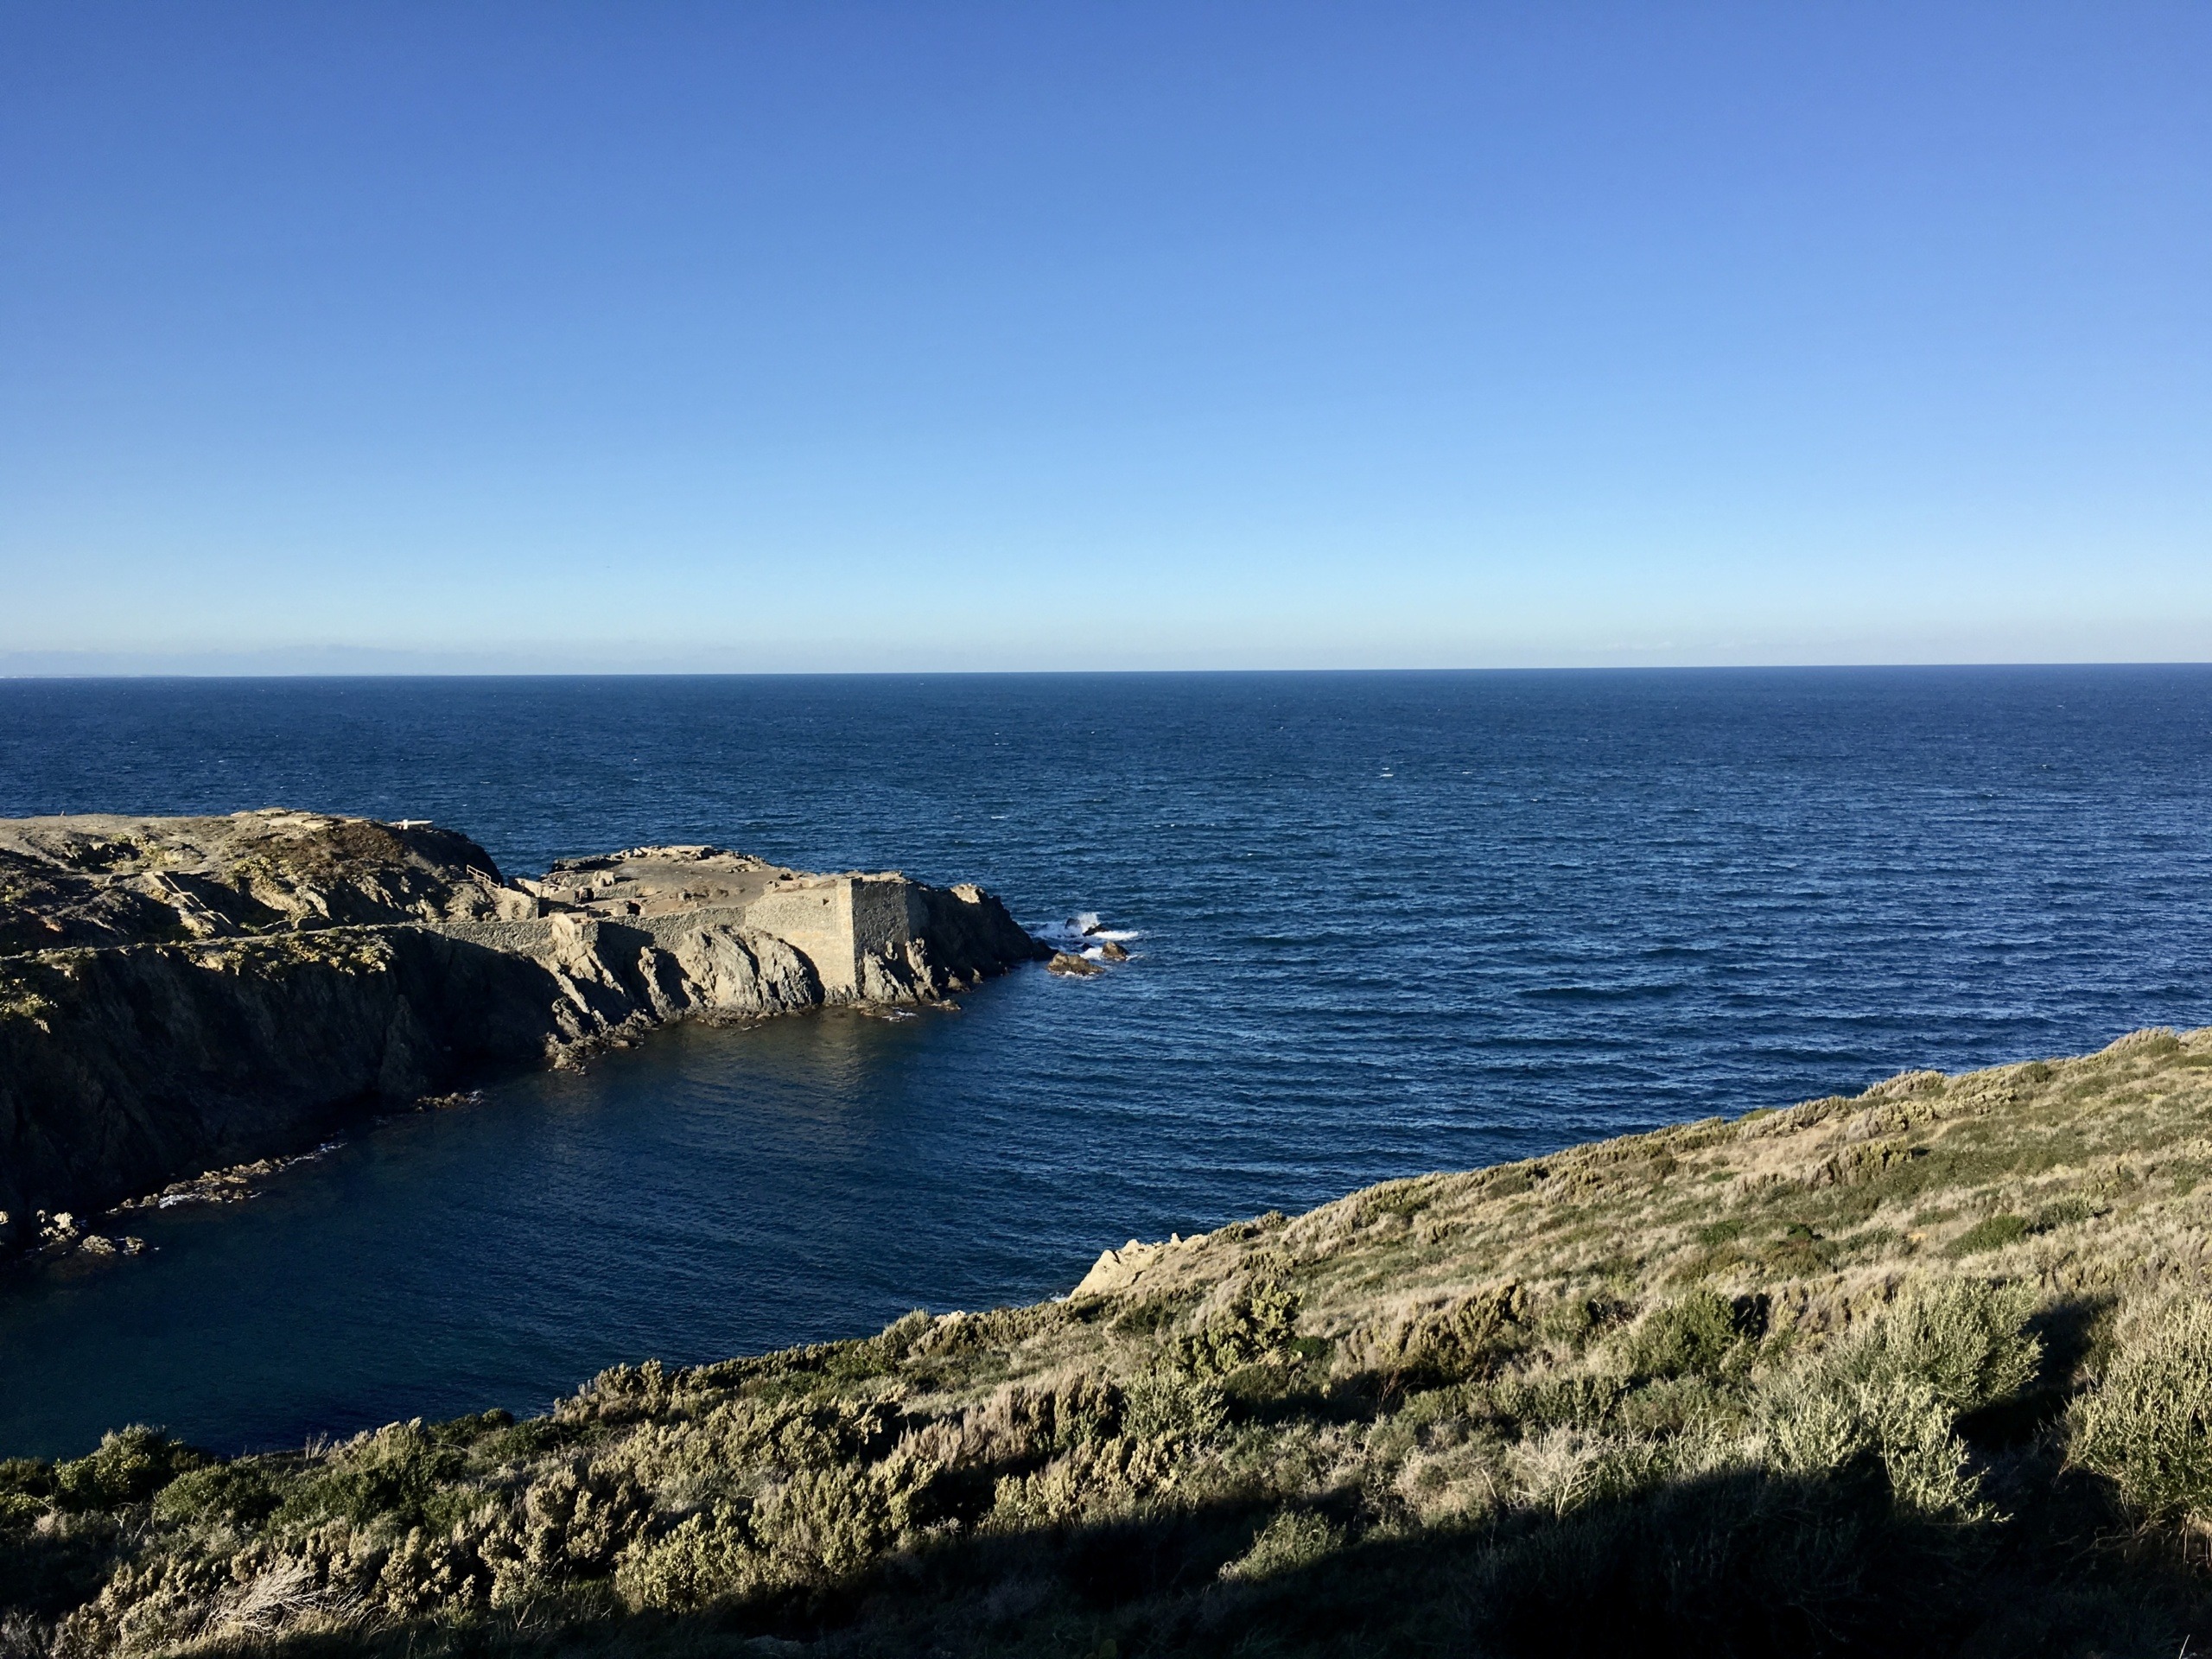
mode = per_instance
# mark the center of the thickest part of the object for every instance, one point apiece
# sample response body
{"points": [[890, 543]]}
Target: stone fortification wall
{"points": [[817, 920], [835, 922], [887, 915]]}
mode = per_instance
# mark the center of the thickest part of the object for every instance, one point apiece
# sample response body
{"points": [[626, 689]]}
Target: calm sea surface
{"points": [[1390, 923]]}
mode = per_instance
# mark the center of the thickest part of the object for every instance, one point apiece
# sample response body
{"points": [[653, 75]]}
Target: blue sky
{"points": [[826, 336]]}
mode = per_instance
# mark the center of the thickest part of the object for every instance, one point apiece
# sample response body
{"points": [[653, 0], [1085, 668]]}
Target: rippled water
{"points": [[1391, 923]]}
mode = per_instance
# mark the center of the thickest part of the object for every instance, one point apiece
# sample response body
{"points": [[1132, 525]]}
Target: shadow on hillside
{"points": [[1737, 1564]]}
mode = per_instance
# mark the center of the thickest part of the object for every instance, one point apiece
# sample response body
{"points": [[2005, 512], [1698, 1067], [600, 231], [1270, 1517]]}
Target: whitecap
{"points": [[1084, 930]]}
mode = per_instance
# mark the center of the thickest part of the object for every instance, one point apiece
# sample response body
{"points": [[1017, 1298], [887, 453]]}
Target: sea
{"points": [[1381, 924]]}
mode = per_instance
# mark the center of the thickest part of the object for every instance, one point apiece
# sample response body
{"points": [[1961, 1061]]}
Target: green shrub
{"points": [[1911, 1426], [238, 1494], [876, 1356], [1152, 1314], [822, 1524], [2064, 1212], [572, 1519], [1992, 1234], [1574, 1321], [129, 1466], [2148, 1425], [1967, 1340], [1258, 1323], [813, 1527], [1083, 1409], [473, 1429], [531, 1438], [1563, 1469], [1701, 1335], [1464, 1339], [1674, 1405], [1295, 1538], [399, 1471], [1167, 1403], [1893, 1390], [704, 1560], [1557, 1399], [1818, 1424]]}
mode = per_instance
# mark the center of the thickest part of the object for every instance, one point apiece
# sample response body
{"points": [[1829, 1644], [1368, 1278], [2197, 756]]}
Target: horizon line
{"points": [[61, 676]]}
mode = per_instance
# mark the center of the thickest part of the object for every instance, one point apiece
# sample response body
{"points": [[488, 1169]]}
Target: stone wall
{"points": [[816, 919]]}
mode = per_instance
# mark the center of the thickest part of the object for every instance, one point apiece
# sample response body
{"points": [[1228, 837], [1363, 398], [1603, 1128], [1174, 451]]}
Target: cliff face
{"points": [[237, 988]]}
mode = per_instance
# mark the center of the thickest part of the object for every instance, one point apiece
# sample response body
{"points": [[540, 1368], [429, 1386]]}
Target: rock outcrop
{"points": [[180, 993], [99, 881]]}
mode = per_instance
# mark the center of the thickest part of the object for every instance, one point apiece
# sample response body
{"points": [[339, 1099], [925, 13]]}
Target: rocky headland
{"points": [[183, 993]]}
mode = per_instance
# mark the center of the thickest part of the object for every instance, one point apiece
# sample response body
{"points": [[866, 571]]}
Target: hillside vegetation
{"points": [[1923, 1371]]}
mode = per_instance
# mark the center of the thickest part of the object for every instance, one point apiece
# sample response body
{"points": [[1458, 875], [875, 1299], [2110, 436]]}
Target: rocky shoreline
{"points": [[185, 994]]}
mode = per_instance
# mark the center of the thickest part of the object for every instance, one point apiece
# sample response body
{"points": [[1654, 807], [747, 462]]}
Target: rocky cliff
{"points": [[176, 994]]}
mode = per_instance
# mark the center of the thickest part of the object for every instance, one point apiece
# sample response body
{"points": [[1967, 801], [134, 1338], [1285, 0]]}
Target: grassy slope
{"points": [[1915, 1372]]}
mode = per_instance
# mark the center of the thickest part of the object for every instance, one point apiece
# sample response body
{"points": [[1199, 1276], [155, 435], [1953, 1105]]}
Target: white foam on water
{"points": [[1084, 930]]}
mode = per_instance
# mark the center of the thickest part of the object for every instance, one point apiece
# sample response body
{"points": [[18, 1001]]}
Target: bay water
{"points": [[1385, 924]]}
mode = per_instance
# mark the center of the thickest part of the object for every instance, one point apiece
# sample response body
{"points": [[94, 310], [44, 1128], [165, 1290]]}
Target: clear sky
{"points": [[798, 336]]}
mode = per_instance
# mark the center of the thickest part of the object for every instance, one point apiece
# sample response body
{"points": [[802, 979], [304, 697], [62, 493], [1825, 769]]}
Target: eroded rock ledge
{"points": [[178, 993]]}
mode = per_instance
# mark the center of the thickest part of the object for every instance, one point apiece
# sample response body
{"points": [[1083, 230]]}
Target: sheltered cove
{"points": [[181, 992]]}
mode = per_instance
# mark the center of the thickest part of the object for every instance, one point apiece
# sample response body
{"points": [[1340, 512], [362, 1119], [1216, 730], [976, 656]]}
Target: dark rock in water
{"points": [[1113, 950], [1068, 964], [181, 993]]}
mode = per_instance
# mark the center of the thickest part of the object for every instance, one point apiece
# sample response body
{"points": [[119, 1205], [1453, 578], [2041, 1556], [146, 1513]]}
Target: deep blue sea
{"points": [[1389, 923]]}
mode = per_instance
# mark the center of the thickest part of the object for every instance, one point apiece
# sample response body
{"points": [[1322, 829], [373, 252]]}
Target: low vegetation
{"points": [[1924, 1371]]}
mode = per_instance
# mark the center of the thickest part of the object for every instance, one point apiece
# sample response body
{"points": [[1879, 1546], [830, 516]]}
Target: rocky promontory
{"points": [[181, 992]]}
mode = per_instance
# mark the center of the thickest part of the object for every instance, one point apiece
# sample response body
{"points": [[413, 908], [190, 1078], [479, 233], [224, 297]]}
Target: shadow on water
{"points": [[710, 1192]]}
